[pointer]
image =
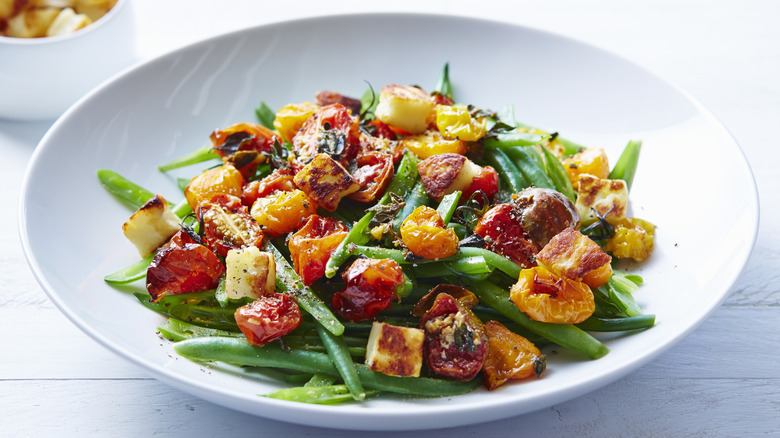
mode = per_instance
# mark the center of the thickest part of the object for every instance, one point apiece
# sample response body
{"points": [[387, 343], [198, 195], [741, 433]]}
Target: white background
{"points": [[720, 381]]}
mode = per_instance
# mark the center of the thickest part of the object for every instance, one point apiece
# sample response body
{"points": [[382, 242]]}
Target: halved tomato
{"points": [[372, 285], [374, 172], [331, 130], [504, 234], [311, 246], [279, 179], [227, 224], [242, 145], [268, 318]]}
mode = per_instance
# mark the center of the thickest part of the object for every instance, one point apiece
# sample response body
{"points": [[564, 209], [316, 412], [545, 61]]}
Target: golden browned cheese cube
{"points": [[608, 197], [446, 173], [249, 273], [151, 226], [573, 255], [405, 107], [325, 181], [395, 351]]}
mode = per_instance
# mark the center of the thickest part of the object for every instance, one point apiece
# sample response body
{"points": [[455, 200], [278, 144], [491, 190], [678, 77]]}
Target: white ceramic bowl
{"points": [[166, 107], [41, 77]]}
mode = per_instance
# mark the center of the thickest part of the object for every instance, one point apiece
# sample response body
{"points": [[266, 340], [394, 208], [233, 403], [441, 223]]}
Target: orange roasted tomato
{"points": [[311, 246], [332, 130], [455, 340], [372, 285], [243, 144], [219, 180], [227, 225], [282, 212], [374, 172], [279, 179], [424, 233], [183, 265], [547, 297], [504, 234], [268, 318], [510, 357]]}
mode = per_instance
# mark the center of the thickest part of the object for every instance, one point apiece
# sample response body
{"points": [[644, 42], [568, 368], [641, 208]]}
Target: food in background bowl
{"points": [[48, 18]]}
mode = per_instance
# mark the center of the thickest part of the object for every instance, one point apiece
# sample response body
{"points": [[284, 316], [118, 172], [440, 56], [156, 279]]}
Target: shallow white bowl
{"points": [[41, 77], [70, 227]]}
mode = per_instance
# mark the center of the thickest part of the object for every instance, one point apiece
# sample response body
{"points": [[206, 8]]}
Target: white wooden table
{"points": [[722, 380]]}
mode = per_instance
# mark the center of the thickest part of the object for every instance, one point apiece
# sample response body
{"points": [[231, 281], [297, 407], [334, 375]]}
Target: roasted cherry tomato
{"points": [[282, 212], [311, 246], [372, 285], [424, 233], [502, 229], [377, 128], [546, 297], [290, 118], [268, 318], [510, 357], [455, 341], [279, 179], [242, 145], [219, 180], [325, 98], [454, 121], [486, 181], [182, 265], [332, 130], [545, 213], [633, 239], [227, 224], [374, 172]]}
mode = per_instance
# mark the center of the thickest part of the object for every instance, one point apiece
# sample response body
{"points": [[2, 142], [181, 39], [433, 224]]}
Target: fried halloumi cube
{"points": [[249, 273], [151, 226], [67, 21], [325, 181], [607, 197], [574, 255], [394, 350], [405, 107], [446, 173]]}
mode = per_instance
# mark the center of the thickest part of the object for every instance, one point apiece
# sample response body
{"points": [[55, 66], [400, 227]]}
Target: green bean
{"points": [[337, 350], [596, 324], [531, 172], [535, 155], [379, 252], [448, 205], [239, 352], [565, 335], [287, 280], [182, 208], [625, 168], [418, 197], [265, 115], [324, 395], [177, 330], [619, 291], [318, 380], [210, 316], [495, 260], [401, 184], [506, 168], [134, 272], [132, 194], [558, 175], [513, 139], [205, 153], [465, 266], [444, 86]]}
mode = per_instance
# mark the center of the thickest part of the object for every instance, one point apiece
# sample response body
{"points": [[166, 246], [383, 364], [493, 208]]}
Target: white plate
{"points": [[693, 182]]}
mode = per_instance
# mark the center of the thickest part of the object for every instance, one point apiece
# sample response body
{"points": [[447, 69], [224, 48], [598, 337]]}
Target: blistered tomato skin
{"points": [[424, 233], [282, 212], [486, 181], [223, 180], [545, 297], [510, 357], [331, 129], [374, 172], [268, 318], [372, 286], [455, 340], [311, 246], [278, 180], [227, 225], [182, 265], [504, 234], [243, 144]]}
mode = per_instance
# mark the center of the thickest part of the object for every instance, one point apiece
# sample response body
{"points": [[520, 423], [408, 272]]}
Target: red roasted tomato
{"points": [[279, 179], [455, 340], [332, 130], [242, 145], [372, 285], [502, 229], [374, 172], [311, 246], [486, 180], [183, 265], [268, 318], [227, 225]]}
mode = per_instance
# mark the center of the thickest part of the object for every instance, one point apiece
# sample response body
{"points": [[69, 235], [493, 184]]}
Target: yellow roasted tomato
{"points": [[424, 233], [510, 357], [290, 118], [223, 180], [455, 122], [282, 212], [633, 239], [546, 297]]}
